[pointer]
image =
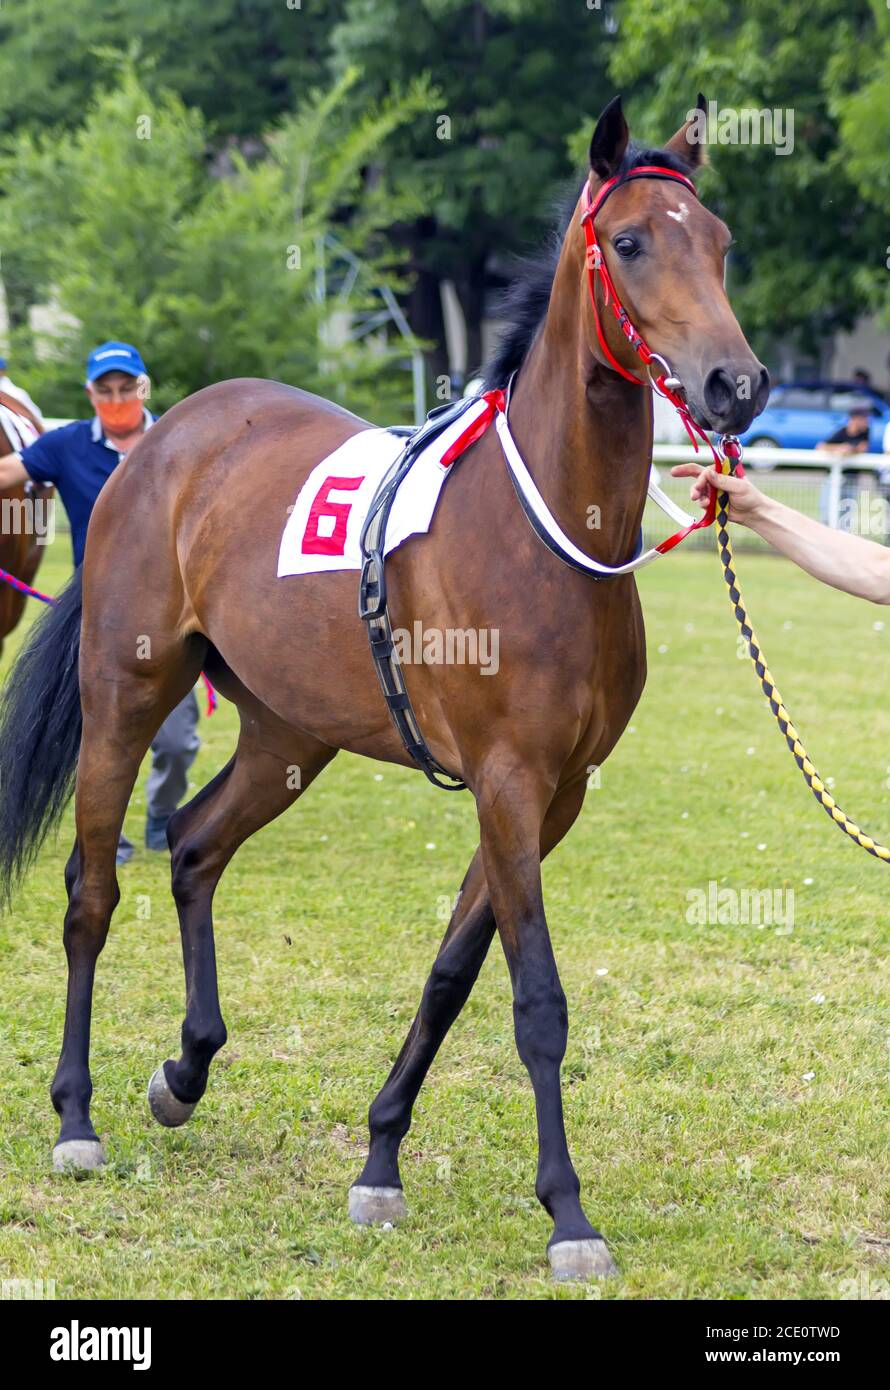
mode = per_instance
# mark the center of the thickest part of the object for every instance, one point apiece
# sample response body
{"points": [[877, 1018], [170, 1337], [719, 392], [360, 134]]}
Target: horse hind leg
{"points": [[125, 697], [113, 744], [271, 767]]}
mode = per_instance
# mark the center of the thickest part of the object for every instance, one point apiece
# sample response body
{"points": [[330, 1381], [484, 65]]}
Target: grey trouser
{"points": [[173, 750]]}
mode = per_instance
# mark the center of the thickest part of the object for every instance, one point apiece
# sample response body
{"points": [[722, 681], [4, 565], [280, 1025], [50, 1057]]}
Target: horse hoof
{"points": [[581, 1259], [78, 1156], [166, 1109], [377, 1206]]}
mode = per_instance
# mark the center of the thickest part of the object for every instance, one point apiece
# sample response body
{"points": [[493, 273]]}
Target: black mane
{"points": [[525, 303]]}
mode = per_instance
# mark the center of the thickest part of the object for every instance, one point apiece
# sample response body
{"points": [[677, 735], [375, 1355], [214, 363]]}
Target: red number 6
{"points": [[335, 543]]}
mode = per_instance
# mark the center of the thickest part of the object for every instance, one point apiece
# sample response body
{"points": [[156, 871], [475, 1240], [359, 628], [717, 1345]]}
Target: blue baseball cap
{"points": [[114, 357]]}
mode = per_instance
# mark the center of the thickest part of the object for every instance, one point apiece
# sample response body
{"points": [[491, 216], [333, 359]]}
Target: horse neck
{"points": [[585, 433]]}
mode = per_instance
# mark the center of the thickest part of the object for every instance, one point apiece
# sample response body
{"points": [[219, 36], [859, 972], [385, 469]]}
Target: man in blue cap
{"points": [[77, 459]]}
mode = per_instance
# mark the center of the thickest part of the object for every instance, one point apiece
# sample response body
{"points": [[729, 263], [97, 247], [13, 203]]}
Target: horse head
{"points": [[664, 254]]}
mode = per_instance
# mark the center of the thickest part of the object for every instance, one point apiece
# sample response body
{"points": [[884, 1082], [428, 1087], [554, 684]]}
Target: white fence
{"points": [[844, 492]]}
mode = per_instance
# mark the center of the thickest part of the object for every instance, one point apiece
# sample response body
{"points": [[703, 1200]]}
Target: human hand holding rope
{"points": [[745, 500], [853, 564], [738, 500]]}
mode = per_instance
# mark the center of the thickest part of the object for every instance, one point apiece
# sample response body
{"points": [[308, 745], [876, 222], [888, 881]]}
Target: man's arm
{"points": [[850, 563], [841, 444], [12, 471], [42, 461]]}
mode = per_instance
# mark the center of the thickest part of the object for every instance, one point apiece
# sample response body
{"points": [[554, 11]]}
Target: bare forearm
{"points": [[846, 562]]}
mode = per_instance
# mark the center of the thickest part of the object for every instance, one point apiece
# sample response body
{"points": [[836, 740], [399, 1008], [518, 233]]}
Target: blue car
{"points": [[804, 414]]}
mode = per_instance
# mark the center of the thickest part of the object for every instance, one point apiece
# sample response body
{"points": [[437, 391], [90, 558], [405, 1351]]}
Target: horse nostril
{"points": [[732, 399], [720, 393]]}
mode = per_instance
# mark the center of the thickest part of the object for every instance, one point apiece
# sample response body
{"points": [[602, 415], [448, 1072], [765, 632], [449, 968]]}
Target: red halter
{"points": [[596, 264], [664, 383]]}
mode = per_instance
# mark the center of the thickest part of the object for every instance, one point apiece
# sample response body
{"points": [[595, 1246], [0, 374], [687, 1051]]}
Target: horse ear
{"points": [[690, 141], [609, 140]]}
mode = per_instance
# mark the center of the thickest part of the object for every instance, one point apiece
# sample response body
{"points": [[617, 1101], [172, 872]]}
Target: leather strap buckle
{"points": [[372, 589]]}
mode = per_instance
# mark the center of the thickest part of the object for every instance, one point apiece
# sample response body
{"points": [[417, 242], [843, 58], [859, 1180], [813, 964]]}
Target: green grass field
{"points": [[725, 1084]]}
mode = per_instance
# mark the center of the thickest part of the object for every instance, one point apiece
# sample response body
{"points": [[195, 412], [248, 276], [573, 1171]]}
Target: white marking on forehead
{"points": [[682, 214]]}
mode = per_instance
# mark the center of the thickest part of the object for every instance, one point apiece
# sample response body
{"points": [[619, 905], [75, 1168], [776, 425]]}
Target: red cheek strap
{"points": [[598, 272]]}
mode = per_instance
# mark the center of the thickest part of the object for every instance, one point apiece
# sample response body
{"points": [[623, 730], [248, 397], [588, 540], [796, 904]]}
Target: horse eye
{"points": [[626, 246]]}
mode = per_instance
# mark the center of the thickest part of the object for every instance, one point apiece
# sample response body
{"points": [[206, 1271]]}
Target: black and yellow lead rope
{"points": [[768, 685]]}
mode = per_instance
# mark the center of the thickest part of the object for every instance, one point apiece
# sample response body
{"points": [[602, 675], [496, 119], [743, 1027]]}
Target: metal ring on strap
{"points": [[667, 376]]}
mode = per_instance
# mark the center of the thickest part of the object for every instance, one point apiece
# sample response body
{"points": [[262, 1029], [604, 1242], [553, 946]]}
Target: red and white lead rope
{"points": [[496, 408]]}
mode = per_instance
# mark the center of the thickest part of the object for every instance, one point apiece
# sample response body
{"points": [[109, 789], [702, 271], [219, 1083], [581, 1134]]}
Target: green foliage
{"points": [[242, 62], [863, 113], [515, 76], [476, 171], [801, 226], [212, 276]]}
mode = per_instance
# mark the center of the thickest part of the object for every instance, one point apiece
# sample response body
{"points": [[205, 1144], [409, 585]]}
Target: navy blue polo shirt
{"points": [[78, 460]]}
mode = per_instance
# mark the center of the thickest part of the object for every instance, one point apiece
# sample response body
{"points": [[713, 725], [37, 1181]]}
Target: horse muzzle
{"points": [[731, 396]]}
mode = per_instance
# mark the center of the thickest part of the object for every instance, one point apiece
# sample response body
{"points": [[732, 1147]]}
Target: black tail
{"points": [[40, 726]]}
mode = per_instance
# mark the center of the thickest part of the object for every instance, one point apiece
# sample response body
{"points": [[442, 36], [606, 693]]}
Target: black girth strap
{"points": [[372, 608]]}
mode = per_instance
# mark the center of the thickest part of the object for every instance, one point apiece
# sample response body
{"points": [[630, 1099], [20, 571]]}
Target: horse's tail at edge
{"points": [[40, 728]]}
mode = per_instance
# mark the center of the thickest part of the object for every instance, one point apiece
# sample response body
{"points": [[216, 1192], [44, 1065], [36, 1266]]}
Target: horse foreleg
{"points": [[509, 820], [270, 769], [377, 1196]]}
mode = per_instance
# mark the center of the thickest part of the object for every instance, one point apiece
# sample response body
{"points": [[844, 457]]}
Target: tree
{"points": [[241, 62], [211, 277], [515, 76], [91, 221], [863, 112], [800, 225]]}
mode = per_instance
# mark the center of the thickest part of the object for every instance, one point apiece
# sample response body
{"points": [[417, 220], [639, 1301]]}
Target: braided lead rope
{"points": [[770, 690]]}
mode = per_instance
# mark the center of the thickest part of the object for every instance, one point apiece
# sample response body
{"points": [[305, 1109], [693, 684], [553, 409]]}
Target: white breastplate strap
{"points": [[546, 526], [17, 428]]}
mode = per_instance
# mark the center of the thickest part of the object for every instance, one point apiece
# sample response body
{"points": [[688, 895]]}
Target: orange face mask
{"points": [[120, 417]]}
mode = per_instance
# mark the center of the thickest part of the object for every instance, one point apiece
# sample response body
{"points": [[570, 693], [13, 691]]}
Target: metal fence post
{"points": [[835, 476]]}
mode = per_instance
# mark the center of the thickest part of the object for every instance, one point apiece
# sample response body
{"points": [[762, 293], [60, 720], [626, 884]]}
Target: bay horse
{"points": [[20, 547], [182, 553]]}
